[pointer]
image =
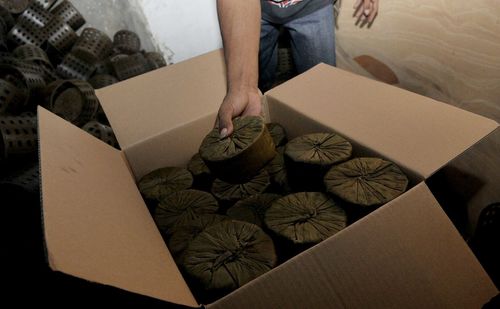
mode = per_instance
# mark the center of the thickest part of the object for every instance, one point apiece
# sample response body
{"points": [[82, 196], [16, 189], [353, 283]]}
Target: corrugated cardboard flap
{"points": [[414, 131], [405, 255], [95, 222], [148, 105]]}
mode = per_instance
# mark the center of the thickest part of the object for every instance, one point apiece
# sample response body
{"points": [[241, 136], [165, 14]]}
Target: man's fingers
{"points": [[367, 5], [236, 104], [225, 117], [362, 9], [226, 127], [374, 11], [358, 9], [365, 11]]}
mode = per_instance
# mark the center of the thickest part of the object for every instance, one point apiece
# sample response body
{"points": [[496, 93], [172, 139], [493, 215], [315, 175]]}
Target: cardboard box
{"points": [[406, 254]]}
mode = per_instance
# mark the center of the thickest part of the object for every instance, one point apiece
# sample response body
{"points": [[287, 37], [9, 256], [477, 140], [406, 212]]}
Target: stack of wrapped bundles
{"points": [[258, 199]]}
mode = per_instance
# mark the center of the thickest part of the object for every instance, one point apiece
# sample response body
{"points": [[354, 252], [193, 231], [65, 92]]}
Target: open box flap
{"points": [[96, 224], [407, 254], [150, 104], [414, 131]]}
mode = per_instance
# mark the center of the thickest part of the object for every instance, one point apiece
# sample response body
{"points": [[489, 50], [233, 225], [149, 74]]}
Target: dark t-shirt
{"points": [[282, 11]]}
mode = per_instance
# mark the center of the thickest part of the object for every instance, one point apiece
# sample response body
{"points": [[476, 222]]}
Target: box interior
{"points": [[97, 226]]}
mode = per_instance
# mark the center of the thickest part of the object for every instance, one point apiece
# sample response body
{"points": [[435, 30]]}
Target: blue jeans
{"points": [[312, 42]]}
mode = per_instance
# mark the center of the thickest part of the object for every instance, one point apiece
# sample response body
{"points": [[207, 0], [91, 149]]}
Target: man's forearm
{"points": [[240, 27]]}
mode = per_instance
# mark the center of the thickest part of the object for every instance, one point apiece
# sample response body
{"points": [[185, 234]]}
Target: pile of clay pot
{"points": [[48, 58], [250, 201]]}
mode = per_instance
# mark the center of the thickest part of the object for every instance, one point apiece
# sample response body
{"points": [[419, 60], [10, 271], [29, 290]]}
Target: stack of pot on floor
{"points": [[250, 201], [44, 61]]}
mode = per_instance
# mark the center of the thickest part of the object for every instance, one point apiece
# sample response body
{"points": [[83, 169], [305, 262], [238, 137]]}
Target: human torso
{"points": [[282, 11]]}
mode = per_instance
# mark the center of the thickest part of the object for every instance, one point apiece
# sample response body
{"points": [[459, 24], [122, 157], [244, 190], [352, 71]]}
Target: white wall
{"points": [[186, 28]]}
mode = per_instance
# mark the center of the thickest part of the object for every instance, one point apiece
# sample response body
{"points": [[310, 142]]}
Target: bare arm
{"points": [[240, 28]]}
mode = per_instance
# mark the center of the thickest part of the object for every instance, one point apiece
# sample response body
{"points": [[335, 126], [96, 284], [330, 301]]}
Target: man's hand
{"points": [[238, 103], [366, 10]]}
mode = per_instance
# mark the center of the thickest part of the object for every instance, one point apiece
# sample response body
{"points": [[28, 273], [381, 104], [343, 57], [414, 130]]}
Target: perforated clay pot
{"points": [[12, 98], [15, 6], [92, 45], [74, 100], [60, 38], [155, 60], [69, 14], [73, 67], [102, 80], [31, 53], [45, 4], [18, 136], [101, 131], [126, 42], [27, 77], [25, 33], [35, 15], [130, 66]]}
